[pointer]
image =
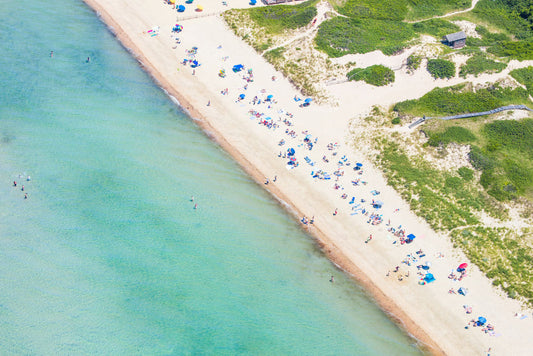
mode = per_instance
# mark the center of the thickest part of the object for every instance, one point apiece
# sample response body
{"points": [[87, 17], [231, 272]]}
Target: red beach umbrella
{"points": [[463, 265]]}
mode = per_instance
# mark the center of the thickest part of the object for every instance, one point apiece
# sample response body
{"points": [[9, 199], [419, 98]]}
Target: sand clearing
{"points": [[431, 312]]}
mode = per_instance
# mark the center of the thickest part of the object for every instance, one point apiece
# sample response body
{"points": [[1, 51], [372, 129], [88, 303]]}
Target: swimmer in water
{"points": [[88, 59], [195, 206], [192, 198]]}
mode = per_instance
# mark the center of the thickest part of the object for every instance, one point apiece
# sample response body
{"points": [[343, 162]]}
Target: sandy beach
{"points": [[323, 183]]}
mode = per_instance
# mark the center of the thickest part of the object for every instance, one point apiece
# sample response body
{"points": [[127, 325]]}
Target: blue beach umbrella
{"points": [[253, 2], [270, 96], [411, 236], [359, 164], [429, 278], [291, 151], [308, 100], [481, 320], [241, 96], [181, 8]]}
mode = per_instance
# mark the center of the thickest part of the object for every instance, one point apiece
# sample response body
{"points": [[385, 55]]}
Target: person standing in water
{"points": [[88, 59]]}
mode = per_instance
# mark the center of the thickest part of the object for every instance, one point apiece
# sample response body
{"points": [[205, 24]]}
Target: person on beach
{"points": [[312, 220], [209, 103], [275, 178], [14, 183], [267, 181], [335, 212], [22, 187]]}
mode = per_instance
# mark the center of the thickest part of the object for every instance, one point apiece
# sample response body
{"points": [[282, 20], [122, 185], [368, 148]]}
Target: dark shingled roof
{"points": [[455, 36]]}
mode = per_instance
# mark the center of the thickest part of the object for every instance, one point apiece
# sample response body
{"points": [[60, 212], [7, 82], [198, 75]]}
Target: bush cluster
{"points": [[456, 100], [377, 75], [278, 18], [524, 76], [441, 68], [479, 63]]}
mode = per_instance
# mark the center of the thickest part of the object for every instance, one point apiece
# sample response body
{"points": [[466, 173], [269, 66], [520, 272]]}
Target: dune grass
{"points": [[524, 76], [377, 75], [461, 99]]}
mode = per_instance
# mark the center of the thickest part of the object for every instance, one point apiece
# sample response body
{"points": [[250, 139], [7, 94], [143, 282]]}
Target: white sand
{"points": [[428, 312]]}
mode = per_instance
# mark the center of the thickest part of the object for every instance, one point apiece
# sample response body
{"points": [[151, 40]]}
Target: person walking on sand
{"points": [[335, 212]]}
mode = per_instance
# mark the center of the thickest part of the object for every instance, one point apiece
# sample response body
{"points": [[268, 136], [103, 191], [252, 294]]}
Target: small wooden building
{"points": [[455, 40]]}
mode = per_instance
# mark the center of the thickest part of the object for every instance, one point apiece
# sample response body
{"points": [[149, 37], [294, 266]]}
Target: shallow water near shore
{"points": [[108, 255]]}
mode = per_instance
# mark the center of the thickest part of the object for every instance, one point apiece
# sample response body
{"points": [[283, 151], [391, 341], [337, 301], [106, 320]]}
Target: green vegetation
{"points": [[487, 38], [524, 76], [423, 9], [502, 255], [278, 18], [394, 10], [479, 63], [413, 62], [517, 50], [436, 27], [451, 200], [456, 134], [461, 99], [441, 68], [340, 36], [398, 10], [501, 150], [428, 190], [377, 75], [514, 16]]}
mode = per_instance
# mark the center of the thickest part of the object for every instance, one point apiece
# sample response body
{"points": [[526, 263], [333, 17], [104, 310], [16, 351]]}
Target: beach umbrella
{"points": [[253, 2], [308, 100], [481, 320], [291, 151], [359, 164], [241, 96], [189, 1], [268, 118], [463, 265], [429, 278], [199, 8], [172, 1], [181, 8], [269, 97], [411, 236], [378, 204]]}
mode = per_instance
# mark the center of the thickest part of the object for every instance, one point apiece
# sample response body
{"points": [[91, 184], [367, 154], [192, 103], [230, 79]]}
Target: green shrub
{"points": [[436, 27], [479, 63], [377, 75], [374, 9], [413, 62], [340, 36], [277, 18], [456, 100], [441, 68], [456, 134], [512, 15], [524, 76], [396, 121], [518, 50], [421, 9], [466, 173]]}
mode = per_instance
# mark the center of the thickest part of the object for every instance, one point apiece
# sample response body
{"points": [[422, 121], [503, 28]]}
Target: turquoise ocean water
{"points": [[107, 254]]}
